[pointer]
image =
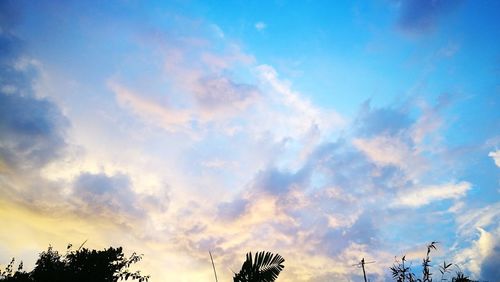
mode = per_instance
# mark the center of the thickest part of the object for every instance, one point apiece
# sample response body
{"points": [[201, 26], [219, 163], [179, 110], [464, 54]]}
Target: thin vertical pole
{"points": [[363, 266], [213, 265]]}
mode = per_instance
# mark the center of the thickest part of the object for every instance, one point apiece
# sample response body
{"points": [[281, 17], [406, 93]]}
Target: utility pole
{"points": [[362, 265]]}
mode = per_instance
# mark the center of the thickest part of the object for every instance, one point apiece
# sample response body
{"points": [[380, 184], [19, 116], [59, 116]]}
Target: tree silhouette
{"points": [[81, 265], [8, 274], [401, 271], [264, 268]]}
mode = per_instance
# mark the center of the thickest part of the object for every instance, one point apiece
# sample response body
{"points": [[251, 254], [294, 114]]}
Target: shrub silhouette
{"points": [[401, 270], [264, 268], [77, 265]]}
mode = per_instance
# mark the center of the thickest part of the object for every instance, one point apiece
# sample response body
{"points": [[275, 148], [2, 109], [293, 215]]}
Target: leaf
{"points": [[264, 267]]}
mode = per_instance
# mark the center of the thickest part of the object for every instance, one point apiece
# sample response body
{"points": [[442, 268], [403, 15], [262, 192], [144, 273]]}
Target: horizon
{"points": [[324, 131]]}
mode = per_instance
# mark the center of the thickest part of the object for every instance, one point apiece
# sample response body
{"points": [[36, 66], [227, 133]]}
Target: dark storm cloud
{"points": [[421, 16]]}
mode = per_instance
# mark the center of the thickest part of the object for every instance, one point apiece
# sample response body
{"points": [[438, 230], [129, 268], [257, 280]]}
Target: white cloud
{"points": [[260, 26], [472, 257], [303, 114], [386, 150], [420, 196], [495, 156]]}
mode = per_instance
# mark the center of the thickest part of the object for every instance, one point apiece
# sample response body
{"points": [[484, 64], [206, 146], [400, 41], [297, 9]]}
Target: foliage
{"points": [[426, 273], [8, 274], [77, 265], [264, 268], [401, 270]]}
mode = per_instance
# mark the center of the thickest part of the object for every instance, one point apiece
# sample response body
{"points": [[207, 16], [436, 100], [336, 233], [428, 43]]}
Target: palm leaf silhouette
{"points": [[264, 268]]}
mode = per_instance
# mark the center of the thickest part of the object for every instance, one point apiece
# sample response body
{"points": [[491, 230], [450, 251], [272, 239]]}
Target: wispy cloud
{"points": [[260, 26], [420, 196]]}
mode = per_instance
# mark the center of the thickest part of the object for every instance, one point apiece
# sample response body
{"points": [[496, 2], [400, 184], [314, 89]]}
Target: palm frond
{"points": [[265, 267]]}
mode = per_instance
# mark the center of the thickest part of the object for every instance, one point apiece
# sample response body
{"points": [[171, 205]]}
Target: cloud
{"points": [[363, 232], [114, 196], [384, 150], [197, 83], [260, 26], [477, 257], [220, 92], [212, 93], [32, 129], [374, 121], [201, 91], [484, 217], [232, 210], [422, 16], [266, 168], [33, 137], [478, 232], [298, 114], [420, 196], [276, 182], [102, 192], [170, 119], [216, 98], [490, 265], [495, 156], [347, 191]]}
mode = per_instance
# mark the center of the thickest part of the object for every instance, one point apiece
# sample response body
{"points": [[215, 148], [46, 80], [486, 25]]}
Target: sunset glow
{"points": [[325, 131]]}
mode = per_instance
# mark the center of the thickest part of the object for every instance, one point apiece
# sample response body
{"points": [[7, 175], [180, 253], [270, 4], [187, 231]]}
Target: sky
{"points": [[325, 131]]}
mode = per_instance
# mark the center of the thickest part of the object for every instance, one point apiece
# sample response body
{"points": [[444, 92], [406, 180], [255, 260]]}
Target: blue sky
{"points": [[326, 131]]}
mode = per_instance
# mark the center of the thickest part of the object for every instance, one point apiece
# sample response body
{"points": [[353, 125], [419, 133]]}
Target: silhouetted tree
{"points": [[401, 271], [82, 265], [8, 274], [264, 268]]}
